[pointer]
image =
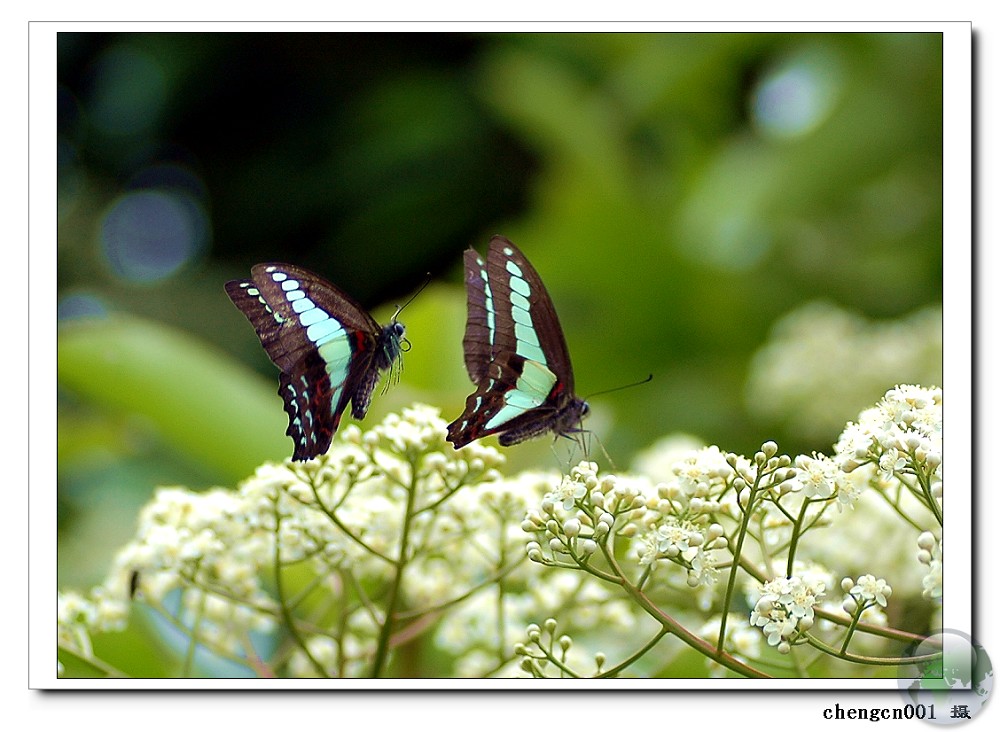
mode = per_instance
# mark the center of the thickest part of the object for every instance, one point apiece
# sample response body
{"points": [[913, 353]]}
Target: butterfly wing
{"points": [[515, 351], [320, 338]]}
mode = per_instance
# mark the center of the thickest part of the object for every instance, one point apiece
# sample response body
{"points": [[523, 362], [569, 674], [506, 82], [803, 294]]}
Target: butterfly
{"points": [[515, 353], [329, 349]]}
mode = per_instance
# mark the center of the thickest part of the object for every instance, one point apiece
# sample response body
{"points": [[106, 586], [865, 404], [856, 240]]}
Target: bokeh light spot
{"points": [[80, 305], [797, 96], [147, 235]]}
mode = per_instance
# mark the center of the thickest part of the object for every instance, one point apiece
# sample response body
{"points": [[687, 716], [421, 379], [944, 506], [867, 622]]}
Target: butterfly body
{"points": [[515, 354], [329, 350]]}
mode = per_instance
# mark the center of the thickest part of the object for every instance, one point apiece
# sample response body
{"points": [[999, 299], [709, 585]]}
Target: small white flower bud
{"points": [[769, 448], [552, 526], [550, 625], [933, 461], [924, 557], [571, 528], [784, 647], [548, 506], [846, 584], [696, 505], [692, 579], [588, 547], [805, 623], [565, 642], [526, 665], [744, 497], [850, 605], [629, 531], [849, 465], [556, 545], [759, 457], [534, 633], [520, 649], [597, 499], [599, 659]]}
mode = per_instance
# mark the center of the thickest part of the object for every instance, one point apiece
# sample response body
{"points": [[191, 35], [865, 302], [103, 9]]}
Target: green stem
{"points": [[613, 673], [855, 619], [279, 590], [671, 625], [332, 515], [871, 660], [501, 558], [385, 634], [796, 534], [193, 644], [925, 488], [731, 585], [95, 663]]}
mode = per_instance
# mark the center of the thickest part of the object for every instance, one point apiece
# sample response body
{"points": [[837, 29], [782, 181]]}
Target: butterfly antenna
{"points": [[620, 388], [399, 308], [611, 462]]}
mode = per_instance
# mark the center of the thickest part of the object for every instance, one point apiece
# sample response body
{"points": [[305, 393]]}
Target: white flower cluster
{"points": [[867, 591], [685, 545], [785, 609], [581, 510], [374, 542], [823, 365], [76, 616], [819, 477], [207, 561], [901, 435]]}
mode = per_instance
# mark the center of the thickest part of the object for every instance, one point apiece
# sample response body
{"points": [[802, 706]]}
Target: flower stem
{"points": [[385, 635], [731, 585]]}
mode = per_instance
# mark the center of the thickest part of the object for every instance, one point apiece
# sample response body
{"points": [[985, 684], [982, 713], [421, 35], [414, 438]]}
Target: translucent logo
{"points": [[950, 674]]}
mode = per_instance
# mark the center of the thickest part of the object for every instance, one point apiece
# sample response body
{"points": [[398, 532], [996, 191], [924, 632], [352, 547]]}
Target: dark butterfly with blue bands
{"points": [[515, 353], [329, 349]]}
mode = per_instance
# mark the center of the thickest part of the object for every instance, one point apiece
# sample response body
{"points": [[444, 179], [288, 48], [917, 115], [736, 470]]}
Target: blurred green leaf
{"points": [[203, 403]]}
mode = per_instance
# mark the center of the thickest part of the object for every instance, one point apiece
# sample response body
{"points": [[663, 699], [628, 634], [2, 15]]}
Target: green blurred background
{"points": [[678, 193]]}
